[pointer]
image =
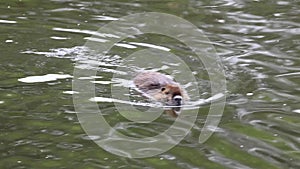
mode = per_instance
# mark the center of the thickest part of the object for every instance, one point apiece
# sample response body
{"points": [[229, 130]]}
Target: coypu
{"points": [[161, 88]]}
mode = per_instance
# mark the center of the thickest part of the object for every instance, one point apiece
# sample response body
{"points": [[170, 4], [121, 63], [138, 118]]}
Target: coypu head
{"points": [[172, 94]]}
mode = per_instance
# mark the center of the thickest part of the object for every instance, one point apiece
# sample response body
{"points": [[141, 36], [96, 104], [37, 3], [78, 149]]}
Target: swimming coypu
{"points": [[161, 88]]}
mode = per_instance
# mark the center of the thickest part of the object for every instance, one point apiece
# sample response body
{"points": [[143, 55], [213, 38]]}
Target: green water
{"points": [[258, 42]]}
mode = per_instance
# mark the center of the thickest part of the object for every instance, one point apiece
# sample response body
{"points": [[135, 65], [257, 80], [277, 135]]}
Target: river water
{"points": [[43, 41]]}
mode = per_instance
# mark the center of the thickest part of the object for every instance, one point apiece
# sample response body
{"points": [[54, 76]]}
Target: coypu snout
{"points": [[177, 100]]}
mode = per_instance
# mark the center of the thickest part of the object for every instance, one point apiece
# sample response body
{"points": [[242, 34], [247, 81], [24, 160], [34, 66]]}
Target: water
{"points": [[258, 42]]}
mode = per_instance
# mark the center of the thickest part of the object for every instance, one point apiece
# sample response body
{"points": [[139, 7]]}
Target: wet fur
{"points": [[160, 87]]}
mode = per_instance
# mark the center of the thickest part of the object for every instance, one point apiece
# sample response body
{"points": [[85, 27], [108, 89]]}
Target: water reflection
{"points": [[257, 40]]}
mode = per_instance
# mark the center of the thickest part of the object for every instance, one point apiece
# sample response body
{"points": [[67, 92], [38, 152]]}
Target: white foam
{"points": [[105, 18], [44, 78], [296, 111], [151, 46], [112, 100], [7, 21], [125, 45], [70, 92]]}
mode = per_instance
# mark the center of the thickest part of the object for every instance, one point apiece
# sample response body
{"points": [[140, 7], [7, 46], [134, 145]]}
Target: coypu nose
{"points": [[178, 100]]}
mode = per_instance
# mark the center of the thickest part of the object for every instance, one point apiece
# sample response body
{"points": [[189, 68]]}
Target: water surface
{"points": [[258, 42]]}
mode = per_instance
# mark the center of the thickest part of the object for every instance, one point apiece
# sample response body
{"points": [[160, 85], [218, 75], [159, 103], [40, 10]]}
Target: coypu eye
{"points": [[163, 89], [167, 93]]}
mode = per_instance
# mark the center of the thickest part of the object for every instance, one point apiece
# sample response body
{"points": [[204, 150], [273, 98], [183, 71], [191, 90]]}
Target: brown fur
{"points": [[160, 87]]}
